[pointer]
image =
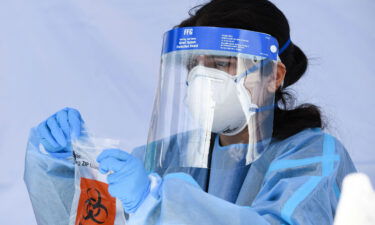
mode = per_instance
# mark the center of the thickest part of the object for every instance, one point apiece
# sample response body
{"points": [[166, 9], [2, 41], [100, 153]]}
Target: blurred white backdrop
{"points": [[102, 57]]}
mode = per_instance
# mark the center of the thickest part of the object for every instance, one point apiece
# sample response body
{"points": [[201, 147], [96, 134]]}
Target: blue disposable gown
{"points": [[295, 181]]}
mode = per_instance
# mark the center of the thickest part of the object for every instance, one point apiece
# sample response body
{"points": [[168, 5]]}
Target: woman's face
{"points": [[235, 66], [231, 65], [261, 83]]}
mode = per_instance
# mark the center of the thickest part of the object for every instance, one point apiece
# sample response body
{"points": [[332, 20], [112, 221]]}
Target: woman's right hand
{"points": [[57, 132]]}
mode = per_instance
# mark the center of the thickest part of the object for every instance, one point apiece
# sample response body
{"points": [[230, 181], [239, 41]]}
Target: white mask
{"points": [[213, 99]]}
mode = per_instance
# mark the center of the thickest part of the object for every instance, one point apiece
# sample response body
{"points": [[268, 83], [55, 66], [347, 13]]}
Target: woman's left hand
{"points": [[129, 181]]}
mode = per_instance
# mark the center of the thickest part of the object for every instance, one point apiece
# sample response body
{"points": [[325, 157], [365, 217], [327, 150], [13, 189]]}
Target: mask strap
{"points": [[256, 67], [263, 108]]}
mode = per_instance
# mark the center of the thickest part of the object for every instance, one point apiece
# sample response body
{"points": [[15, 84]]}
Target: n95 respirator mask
{"points": [[213, 98]]}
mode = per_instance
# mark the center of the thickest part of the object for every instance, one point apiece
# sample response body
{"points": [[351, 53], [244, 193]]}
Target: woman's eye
{"points": [[222, 64]]}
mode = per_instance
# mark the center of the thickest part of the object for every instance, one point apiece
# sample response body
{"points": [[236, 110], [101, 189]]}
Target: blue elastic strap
{"points": [[250, 70], [285, 46], [263, 108]]}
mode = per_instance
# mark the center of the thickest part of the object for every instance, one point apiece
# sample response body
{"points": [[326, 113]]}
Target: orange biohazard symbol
{"points": [[96, 205]]}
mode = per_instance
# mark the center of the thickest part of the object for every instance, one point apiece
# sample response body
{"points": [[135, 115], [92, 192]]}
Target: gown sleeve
{"points": [[300, 187], [50, 183]]}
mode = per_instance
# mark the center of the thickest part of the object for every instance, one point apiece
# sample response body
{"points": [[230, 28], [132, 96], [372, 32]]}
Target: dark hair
{"points": [[264, 16]]}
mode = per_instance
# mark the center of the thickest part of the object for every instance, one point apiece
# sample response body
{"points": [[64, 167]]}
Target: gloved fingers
{"points": [[116, 190], [120, 175], [130, 198], [46, 137], [56, 131], [115, 153], [49, 147], [62, 120], [110, 164], [75, 122], [114, 178]]}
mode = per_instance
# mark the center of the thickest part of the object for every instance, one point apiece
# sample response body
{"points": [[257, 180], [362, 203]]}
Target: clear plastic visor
{"points": [[215, 100], [210, 100]]}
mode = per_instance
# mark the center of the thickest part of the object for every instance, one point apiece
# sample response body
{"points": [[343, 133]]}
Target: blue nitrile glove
{"points": [[129, 181], [57, 132]]}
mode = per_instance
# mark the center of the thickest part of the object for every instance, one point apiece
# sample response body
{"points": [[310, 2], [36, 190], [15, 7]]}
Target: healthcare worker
{"points": [[226, 144]]}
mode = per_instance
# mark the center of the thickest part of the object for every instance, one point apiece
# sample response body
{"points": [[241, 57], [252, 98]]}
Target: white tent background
{"points": [[102, 57]]}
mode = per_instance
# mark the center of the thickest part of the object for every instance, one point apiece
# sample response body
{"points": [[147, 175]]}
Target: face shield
{"points": [[214, 82]]}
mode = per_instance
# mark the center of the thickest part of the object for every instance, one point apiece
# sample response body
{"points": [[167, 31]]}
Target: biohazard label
{"points": [[96, 205]]}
